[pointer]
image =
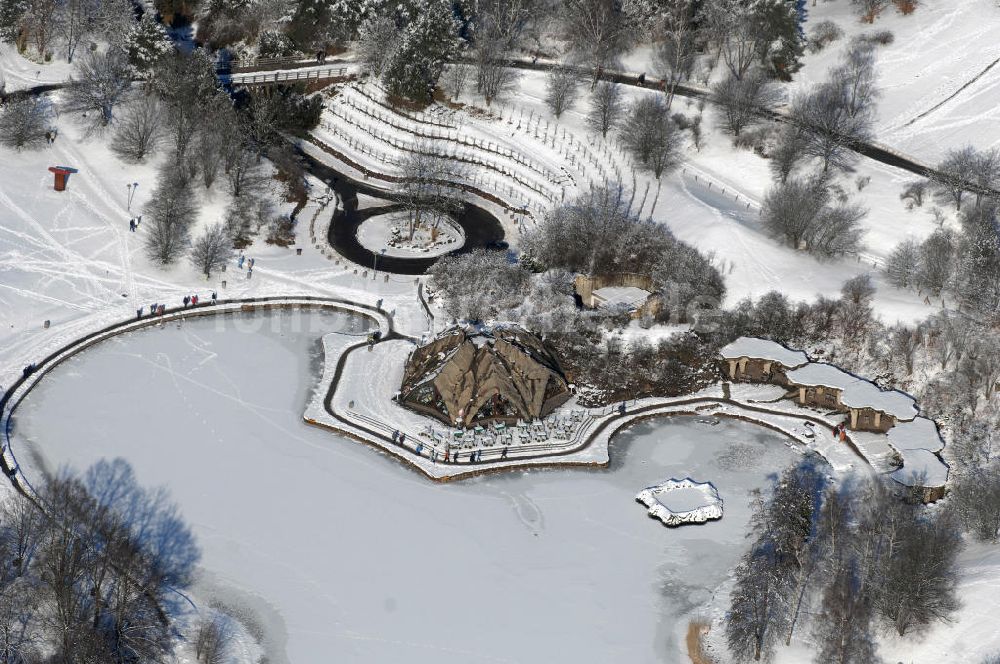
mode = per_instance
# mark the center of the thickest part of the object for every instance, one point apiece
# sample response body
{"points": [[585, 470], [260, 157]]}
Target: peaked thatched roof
{"points": [[470, 375]]}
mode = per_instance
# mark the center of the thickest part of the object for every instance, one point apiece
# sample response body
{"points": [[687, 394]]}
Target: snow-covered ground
{"points": [[348, 554], [390, 232]]}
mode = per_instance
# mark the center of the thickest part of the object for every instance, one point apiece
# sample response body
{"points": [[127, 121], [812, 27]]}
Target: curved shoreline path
{"points": [[479, 226]]}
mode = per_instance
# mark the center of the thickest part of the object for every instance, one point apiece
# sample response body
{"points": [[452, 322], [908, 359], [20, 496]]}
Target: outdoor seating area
{"points": [[555, 428]]}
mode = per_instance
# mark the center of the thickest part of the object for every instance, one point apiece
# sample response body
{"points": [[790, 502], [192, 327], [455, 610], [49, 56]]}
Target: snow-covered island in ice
{"points": [[677, 502]]}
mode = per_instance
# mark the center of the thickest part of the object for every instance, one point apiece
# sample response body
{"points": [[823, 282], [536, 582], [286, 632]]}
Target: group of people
{"points": [[134, 222], [840, 431], [50, 136], [249, 263], [158, 309]]}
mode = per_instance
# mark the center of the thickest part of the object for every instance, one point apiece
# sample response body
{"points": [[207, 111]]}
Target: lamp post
{"points": [[132, 187]]}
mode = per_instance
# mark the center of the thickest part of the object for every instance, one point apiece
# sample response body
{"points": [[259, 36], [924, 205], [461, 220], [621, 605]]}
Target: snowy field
{"points": [[348, 556]]}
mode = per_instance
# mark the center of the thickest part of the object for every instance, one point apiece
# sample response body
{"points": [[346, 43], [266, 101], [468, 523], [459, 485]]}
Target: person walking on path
{"points": [[215, 297], [187, 301], [194, 300], [131, 224], [138, 313], [239, 263], [503, 454], [402, 438], [252, 261]]}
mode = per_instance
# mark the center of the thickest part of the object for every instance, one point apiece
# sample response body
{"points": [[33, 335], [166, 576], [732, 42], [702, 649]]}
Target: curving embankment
{"points": [[13, 397]]}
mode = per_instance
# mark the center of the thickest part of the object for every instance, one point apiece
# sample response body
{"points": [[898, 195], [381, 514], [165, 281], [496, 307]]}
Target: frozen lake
{"points": [[348, 556]]}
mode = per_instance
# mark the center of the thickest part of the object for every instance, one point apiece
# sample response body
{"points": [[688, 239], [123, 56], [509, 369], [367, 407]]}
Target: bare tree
{"points": [[743, 99], [800, 212], [74, 20], [855, 77], [456, 77], [790, 210], [171, 211], [24, 121], [842, 630], [937, 260], [101, 83], [649, 133], [605, 108], [138, 130], [830, 128], [904, 342], [976, 499], [869, 9], [955, 172], [561, 90], [378, 39], [676, 52], [494, 75], [987, 172], [917, 584], [39, 20], [243, 171], [212, 250], [429, 187], [597, 32], [788, 152], [731, 24], [757, 613], [213, 640], [902, 266]]}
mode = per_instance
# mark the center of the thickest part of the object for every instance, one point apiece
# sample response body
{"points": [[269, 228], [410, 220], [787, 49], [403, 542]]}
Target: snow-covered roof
{"points": [[629, 296], [856, 392], [921, 468], [762, 349], [919, 434]]}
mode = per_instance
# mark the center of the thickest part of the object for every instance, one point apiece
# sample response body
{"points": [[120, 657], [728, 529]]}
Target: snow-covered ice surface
{"points": [[350, 556]]}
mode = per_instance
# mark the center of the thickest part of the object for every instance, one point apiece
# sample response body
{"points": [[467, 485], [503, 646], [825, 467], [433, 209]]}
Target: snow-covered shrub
{"points": [[823, 34], [879, 37], [274, 44], [24, 122], [480, 285], [914, 193]]}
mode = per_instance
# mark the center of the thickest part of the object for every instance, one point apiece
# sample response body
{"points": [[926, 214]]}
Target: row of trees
{"points": [[41, 25], [95, 576], [964, 263], [207, 138], [838, 561]]}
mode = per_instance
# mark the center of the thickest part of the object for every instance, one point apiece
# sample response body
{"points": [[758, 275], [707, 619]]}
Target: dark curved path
{"points": [[479, 226]]}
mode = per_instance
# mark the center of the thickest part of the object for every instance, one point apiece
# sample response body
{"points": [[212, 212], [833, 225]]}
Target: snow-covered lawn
{"points": [[347, 555]]}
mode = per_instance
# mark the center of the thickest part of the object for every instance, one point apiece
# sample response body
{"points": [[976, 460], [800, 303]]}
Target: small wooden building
{"points": [[753, 360], [827, 387], [919, 444]]}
